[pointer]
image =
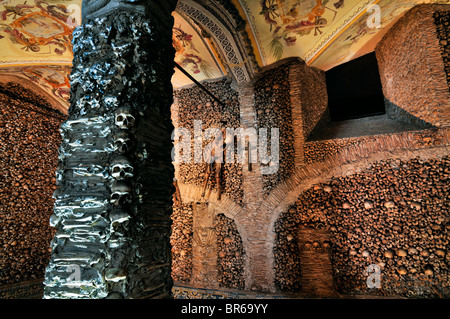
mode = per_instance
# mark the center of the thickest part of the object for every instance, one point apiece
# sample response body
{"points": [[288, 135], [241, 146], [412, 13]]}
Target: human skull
{"points": [[120, 193], [121, 168], [118, 216], [57, 194], [123, 118], [122, 142]]}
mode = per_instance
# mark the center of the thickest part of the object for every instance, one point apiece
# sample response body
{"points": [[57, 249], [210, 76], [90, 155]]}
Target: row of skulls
{"points": [[121, 169]]}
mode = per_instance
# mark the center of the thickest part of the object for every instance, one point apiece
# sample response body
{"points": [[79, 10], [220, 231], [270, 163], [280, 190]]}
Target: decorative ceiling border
{"points": [[223, 37], [232, 15]]}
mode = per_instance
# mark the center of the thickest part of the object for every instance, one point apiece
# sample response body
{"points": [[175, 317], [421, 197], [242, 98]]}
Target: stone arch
{"points": [[36, 89], [191, 195]]}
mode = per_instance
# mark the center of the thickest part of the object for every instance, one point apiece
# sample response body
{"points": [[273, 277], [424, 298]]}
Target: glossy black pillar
{"points": [[114, 201]]}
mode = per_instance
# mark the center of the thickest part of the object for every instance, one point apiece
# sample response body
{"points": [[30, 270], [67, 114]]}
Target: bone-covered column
{"points": [[114, 201]]}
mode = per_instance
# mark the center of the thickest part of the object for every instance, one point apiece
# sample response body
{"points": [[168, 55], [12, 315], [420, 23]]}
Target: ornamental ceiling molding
{"points": [[252, 23], [41, 80], [227, 13], [233, 57]]}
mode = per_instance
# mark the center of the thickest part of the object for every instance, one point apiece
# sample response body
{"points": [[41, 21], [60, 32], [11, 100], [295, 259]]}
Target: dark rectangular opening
{"points": [[354, 89]]}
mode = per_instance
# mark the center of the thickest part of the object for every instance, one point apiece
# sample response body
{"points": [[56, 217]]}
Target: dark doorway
{"points": [[354, 89]]}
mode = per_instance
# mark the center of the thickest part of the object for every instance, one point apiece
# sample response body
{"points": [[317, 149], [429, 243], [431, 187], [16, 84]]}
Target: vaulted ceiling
{"points": [[212, 38]]}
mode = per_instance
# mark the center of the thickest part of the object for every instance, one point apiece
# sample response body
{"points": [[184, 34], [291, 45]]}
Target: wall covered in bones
{"points": [[193, 104], [348, 219], [29, 138], [189, 232], [393, 214], [442, 21], [425, 55]]}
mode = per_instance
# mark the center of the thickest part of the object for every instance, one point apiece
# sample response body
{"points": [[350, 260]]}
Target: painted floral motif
{"points": [[38, 25], [357, 39], [54, 78], [187, 55], [15, 11], [289, 19]]}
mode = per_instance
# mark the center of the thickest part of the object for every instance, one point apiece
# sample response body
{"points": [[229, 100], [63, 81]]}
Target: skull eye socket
{"points": [[116, 169], [121, 145], [119, 118], [128, 169], [115, 196]]}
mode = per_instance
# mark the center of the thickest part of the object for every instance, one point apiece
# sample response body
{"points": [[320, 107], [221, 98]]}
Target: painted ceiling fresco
{"points": [[323, 33], [35, 43], [35, 36], [193, 53]]}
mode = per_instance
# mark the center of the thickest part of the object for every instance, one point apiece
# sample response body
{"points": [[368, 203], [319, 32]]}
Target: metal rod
{"points": [[198, 84]]}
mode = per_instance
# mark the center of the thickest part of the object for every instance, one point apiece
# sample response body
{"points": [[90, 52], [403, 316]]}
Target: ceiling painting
{"points": [[193, 53], [37, 30], [359, 37], [324, 33], [36, 44]]}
